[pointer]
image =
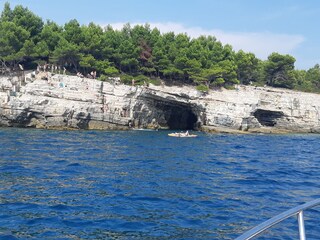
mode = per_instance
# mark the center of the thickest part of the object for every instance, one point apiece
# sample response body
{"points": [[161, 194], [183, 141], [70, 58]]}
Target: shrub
{"points": [[202, 88]]}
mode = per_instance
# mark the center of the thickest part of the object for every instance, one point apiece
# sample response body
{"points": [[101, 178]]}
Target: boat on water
{"points": [[181, 134]]}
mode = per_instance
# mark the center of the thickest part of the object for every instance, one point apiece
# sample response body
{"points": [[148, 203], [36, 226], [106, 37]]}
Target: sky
{"points": [[257, 26]]}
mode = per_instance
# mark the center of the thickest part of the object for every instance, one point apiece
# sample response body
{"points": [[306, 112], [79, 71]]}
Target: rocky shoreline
{"points": [[71, 102]]}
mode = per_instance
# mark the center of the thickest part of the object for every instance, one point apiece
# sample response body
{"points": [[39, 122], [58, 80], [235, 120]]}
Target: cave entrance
{"points": [[268, 118], [178, 117], [181, 119]]}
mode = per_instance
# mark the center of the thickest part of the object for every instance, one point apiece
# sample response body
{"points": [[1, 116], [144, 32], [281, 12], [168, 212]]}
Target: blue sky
{"points": [[258, 26]]}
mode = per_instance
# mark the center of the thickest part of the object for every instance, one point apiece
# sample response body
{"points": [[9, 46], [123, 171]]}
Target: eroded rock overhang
{"points": [[167, 111]]}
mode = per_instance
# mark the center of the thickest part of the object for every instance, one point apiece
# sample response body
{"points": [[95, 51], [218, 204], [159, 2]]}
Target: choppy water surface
{"points": [[146, 185]]}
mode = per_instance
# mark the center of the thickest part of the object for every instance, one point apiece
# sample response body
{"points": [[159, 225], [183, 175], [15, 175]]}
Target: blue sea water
{"points": [[146, 185]]}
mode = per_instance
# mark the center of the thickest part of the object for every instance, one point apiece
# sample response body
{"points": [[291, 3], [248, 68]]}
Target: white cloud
{"points": [[262, 44]]}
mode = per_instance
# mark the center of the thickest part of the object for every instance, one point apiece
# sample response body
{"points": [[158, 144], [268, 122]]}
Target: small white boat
{"points": [[181, 134]]}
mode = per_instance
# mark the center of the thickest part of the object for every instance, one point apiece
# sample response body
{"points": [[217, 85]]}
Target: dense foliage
{"points": [[143, 53]]}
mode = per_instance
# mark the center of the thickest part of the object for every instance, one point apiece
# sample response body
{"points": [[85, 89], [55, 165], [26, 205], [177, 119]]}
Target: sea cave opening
{"points": [[179, 117], [267, 118]]}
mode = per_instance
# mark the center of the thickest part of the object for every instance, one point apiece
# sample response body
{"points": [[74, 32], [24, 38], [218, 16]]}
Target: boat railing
{"points": [[296, 211]]}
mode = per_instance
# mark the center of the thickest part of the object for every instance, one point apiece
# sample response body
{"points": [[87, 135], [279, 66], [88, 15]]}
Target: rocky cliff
{"points": [[71, 102]]}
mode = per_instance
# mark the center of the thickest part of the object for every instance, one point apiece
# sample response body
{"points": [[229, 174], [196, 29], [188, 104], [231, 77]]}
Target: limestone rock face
{"points": [[70, 102]]}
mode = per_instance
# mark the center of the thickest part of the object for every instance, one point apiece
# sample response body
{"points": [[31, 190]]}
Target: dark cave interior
{"points": [[267, 118], [178, 117]]}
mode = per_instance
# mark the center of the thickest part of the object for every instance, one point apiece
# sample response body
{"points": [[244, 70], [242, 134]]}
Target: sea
{"points": [[147, 185]]}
